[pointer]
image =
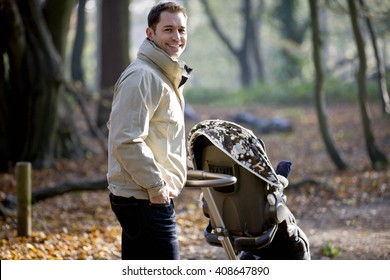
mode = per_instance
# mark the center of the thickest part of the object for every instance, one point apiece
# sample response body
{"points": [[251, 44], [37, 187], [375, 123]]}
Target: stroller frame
{"points": [[209, 180]]}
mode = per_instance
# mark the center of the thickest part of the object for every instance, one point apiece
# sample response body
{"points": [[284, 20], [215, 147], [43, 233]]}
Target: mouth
{"points": [[175, 46]]}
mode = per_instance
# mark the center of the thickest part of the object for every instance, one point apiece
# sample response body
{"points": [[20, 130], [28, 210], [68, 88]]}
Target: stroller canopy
{"points": [[238, 143]]}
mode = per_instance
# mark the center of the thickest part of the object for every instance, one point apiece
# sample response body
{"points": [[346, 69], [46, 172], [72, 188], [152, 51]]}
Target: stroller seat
{"points": [[243, 213]]}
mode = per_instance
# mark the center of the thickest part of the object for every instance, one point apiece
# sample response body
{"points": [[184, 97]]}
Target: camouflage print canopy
{"points": [[238, 143]]}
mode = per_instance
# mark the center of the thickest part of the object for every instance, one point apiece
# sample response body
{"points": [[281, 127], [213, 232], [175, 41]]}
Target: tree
{"points": [[378, 159], [293, 33], [248, 54], [78, 45], [32, 44], [384, 94], [114, 51], [319, 92], [378, 13]]}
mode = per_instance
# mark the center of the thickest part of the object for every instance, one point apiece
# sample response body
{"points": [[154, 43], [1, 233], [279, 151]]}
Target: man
{"points": [[147, 154]]}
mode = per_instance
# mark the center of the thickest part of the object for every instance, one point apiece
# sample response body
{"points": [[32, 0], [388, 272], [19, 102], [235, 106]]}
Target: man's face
{"points": [[170, 34]]}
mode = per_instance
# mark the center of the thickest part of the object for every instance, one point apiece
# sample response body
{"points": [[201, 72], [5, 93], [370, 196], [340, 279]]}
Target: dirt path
{"points": [[357, 232]]}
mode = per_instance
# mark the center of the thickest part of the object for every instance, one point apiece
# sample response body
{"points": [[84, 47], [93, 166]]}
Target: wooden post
{"points": [[23, 186]]}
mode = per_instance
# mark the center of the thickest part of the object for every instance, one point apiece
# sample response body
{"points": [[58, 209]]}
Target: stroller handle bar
{"points": [[204, 179]]}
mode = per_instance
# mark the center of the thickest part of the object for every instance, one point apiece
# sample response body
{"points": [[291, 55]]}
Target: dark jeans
{"points": [[148, 230]]}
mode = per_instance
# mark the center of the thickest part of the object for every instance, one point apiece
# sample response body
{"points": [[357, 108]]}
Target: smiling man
{"points": [[168, 31], [147, 154]]}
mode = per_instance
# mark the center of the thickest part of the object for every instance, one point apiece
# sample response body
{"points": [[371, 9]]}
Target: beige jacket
{"points": [[146, 141]]}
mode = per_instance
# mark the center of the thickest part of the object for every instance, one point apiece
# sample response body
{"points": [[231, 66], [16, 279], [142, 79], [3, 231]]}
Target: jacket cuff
{"points": [[156, 189]]}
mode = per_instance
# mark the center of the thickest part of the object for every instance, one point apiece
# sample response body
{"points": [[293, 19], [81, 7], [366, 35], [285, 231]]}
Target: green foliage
{"points": [[261, 93], [329, 250], [279, 94]]}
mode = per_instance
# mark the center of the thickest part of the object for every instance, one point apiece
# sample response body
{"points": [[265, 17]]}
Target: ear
{"points": [[149, 33]]}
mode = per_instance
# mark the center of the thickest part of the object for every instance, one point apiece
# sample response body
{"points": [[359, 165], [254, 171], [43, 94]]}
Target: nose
{"points": [[176, 35]]}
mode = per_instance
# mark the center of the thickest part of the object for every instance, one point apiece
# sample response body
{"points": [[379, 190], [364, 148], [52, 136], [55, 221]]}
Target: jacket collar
{"points": [[175, 70]]}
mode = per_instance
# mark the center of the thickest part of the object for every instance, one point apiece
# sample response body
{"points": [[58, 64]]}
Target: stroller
{"points": [[242, 194]]}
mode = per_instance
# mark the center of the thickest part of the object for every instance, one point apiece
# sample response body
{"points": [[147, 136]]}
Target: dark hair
{"points": [[154, 14]]}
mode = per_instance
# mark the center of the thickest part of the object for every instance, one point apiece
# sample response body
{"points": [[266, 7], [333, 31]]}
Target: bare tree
{"points": [[319, 92], [77, 72], [114, 51], [248, 54], [32, 43], [378, 159], [293, 32], [384, 94]]}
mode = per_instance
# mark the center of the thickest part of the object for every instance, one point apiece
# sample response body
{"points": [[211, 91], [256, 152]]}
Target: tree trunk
{"points": [[78, 45], [248, 54], [319, 92], [31, 86], [293, 33], [67, 142], [378, 159], [114, 56], [9, 204], [57, 16], [31, 78], [384, 94], [250, 50]]}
